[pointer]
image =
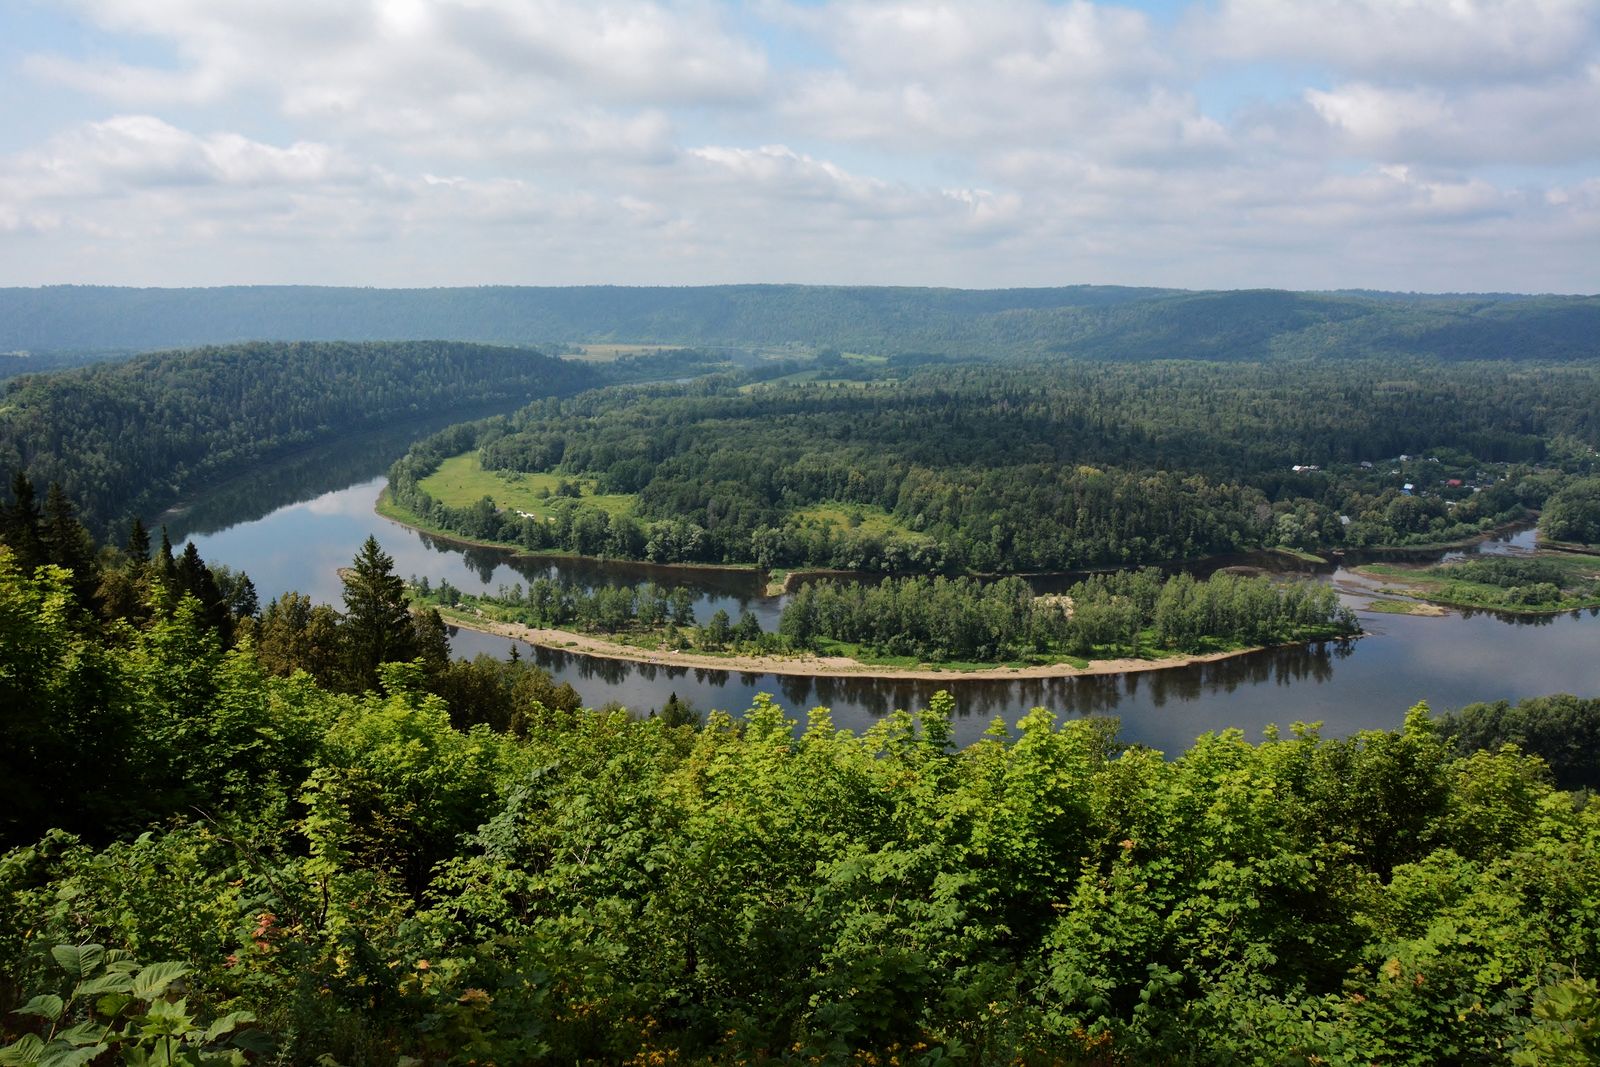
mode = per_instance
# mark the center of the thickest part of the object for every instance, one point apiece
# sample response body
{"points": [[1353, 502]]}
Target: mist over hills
{"points": [[1091, 322]]}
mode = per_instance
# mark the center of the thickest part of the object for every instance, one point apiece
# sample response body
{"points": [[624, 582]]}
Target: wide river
{"points": [[293, 529]]}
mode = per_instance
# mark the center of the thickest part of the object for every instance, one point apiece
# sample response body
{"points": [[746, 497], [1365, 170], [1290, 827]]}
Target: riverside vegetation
{"points": [[1546, 582], [941, 621]]}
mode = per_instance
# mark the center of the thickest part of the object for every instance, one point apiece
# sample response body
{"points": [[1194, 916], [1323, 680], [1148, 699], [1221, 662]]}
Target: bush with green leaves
{"points": [[113, 1006]]}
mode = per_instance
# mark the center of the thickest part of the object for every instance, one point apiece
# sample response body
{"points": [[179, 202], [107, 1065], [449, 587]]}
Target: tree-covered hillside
{"points": [[1048, 466], [1106, 322], [135, 437]]}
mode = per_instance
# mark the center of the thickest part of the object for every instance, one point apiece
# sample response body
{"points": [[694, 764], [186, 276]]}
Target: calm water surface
{"points": [[1449, 661]]}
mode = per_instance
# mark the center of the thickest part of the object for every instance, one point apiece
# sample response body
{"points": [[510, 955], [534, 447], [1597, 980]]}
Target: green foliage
{"points": [[137, 436], [1129, 613], [1562, 730], [118, 1008], [379, 874], [1573, 513], [1040, 467]]}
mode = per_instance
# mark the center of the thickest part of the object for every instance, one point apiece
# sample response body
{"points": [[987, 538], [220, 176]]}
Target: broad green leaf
{"points": [[80, 961], [111, 1004], [25, 1049], [227, 1023], [153, 980], [57, 1054], [106, 983], [87, 1033], [257, 1041], [169, 1019], [46, 1004]]}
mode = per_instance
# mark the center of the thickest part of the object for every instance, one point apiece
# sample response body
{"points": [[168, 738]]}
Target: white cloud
{"points": [[1408, 143], [1550, 122], [127, 153], [1410, 39]]}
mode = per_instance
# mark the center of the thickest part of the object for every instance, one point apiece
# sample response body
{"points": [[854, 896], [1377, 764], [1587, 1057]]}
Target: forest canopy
{"points": [[135, 437], [1038, 467]]}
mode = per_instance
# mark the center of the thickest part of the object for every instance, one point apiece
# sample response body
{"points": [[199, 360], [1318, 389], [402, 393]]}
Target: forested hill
{"points": [[1103, 322], [138, 436]]}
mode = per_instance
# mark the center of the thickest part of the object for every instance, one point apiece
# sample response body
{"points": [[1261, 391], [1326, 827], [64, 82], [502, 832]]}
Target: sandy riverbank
{"points": [[811, 665]]}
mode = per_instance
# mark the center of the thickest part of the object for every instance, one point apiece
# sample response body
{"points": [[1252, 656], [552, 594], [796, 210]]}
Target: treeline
{"points": [[1092, 322], [649, 610], [1037, 468], [1123, 614], [134, 437], [1562, 730], [1573, 513], [940, 620]]}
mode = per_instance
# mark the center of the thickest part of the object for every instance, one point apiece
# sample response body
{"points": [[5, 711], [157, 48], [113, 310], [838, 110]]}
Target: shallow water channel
{"points": [[1449, 661]]}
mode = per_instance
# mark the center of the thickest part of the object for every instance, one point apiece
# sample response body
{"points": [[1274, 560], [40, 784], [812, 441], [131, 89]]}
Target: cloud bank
{"points": [[1406, 144]]}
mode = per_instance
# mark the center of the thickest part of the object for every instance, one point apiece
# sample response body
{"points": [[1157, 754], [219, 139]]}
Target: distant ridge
{"points": [[1100, 322]]}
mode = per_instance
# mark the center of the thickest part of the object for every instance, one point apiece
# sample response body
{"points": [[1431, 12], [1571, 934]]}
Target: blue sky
{"points": [[1401, 144]]}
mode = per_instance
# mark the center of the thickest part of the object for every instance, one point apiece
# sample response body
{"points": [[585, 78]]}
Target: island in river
{"points": [[820, 666], [920, 627], [1541, 582]]}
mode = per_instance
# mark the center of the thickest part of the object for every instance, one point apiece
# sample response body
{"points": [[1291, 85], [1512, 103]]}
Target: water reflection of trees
{"points": [[1517, 618], [310, 473]]}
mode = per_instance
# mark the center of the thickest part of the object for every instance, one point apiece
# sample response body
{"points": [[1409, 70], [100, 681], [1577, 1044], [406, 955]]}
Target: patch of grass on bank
{"points": [[1543, 583], [1299, 554], [461, 482]]}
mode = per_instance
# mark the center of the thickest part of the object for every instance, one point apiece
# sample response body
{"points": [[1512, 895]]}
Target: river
{"points": [[1448, 661]]}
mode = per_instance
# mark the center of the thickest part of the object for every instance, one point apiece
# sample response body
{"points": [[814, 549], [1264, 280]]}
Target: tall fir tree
{"points": [[138, 546], [68, 544], [377, 625], [19, 524]]}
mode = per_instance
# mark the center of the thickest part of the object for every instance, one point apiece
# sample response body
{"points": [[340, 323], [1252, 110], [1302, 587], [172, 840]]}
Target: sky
{"points": [[1427, 145]]}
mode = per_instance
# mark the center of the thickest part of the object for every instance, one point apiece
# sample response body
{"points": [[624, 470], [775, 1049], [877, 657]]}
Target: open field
{"points": [[862, 518], [461, 481]]}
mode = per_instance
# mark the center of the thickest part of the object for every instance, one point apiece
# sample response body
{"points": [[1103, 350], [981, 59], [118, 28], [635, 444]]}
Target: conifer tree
{"points": [[67, 544], [19, 524], [377, 625]]}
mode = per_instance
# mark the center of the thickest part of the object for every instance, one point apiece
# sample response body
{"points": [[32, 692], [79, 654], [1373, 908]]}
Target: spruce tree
{"points": [[68, 544], [138, 546], [19, 524], [377, 625]]}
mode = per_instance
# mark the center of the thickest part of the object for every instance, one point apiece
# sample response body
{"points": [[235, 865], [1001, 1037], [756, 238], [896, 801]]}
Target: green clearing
{"points": [[461, 482], [863, 518]]}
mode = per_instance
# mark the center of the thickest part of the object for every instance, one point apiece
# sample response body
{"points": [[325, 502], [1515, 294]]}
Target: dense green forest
{"points": [[1040, 467], [134, 437], [1096, 322], [209, 858], [941, 620], [1125, 613]]}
